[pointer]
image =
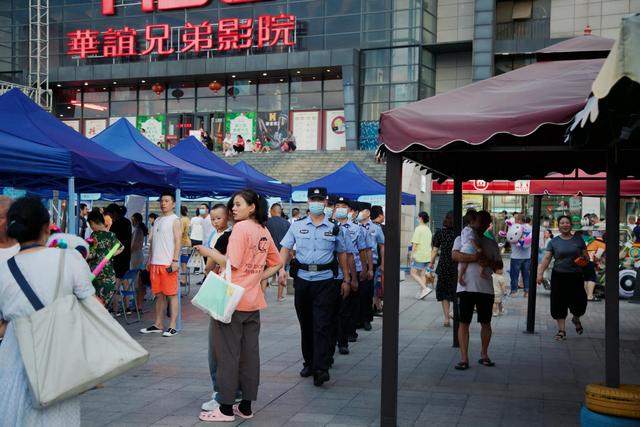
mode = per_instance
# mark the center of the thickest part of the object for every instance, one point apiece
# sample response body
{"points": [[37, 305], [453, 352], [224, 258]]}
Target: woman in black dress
{"points": [[447, 270]]}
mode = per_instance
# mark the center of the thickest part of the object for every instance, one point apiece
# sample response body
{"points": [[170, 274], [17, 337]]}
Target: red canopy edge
{"points": [[517, 103]]}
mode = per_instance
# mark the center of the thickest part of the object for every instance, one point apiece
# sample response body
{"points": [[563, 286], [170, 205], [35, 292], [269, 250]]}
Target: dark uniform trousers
{"points": [[316, 304], [365, 292], [342, 320]]}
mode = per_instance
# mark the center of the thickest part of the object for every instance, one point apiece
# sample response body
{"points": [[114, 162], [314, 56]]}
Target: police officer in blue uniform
{"points": [[376, 237], [320, 249]]}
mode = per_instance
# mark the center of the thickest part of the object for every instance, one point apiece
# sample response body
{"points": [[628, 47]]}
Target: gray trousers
{"points": [[237, 352]]}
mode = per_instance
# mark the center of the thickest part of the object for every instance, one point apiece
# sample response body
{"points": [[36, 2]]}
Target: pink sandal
{"points": [[215, 416]]}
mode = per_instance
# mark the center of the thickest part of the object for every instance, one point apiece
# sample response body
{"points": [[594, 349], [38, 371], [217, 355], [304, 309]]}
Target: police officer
{"points": [[320, 246], [364, 257], [366, 288]]}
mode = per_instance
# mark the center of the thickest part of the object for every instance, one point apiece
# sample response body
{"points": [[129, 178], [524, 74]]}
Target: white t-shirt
{"points": [[163, 247], [473, 277], [6, 253], [196, 228], [207, 228]]}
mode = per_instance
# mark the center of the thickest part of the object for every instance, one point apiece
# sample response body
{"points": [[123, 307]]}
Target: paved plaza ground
{"points": [[536, 381]]}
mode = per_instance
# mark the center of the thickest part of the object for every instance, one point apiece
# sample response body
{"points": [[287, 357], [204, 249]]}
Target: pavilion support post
{"points": [[179, 320], [71, 209], [535, 250], [390, 326], [146, 216], [612, 306], [457, 228]]}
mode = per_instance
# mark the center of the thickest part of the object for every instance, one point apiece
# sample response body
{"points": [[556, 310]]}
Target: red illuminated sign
{"points": [[232, 34], [108, 6]]}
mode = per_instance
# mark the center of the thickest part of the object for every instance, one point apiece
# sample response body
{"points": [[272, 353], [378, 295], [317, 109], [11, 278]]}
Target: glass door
{"points": [[178, 127]]}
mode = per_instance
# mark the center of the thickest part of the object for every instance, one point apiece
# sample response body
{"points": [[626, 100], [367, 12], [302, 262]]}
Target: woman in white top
{"points": [[29, 225]]}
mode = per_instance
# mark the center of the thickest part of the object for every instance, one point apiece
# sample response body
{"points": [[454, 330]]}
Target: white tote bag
{"points": [[218, 297], [71, 345], [196, 261]]}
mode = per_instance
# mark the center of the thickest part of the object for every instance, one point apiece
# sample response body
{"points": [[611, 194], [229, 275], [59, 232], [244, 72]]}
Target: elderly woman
{"points": [[447, 269], [567, 281]]}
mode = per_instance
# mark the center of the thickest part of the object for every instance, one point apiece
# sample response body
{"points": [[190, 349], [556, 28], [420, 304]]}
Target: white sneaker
{"points": [[211, 405], [169, 332], [424, 293]]}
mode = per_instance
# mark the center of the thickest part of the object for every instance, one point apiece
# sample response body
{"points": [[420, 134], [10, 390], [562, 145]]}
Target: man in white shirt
{"points": [[8, 246], [207, 225], [164, 255], [477, 292]]}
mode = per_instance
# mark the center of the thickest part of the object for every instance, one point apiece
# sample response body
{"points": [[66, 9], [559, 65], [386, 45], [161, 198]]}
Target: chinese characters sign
{"points": [[231, 34], [108, 6]]}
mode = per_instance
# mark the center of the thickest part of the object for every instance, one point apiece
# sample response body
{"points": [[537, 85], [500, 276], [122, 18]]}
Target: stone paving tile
{"points": [[536, 382]]}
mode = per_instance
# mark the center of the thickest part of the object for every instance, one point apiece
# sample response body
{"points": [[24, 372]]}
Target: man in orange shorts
{"points": [[164, 254]]}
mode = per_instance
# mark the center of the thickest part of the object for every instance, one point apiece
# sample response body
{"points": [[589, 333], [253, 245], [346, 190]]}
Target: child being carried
{"points": [[470, 245]]}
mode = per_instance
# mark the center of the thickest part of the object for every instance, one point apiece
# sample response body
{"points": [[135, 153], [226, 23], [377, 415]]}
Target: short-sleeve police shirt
{"points": [[315, 244]]}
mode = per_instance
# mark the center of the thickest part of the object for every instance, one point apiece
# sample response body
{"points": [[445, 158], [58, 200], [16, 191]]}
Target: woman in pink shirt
{"points": [[253, 257]]}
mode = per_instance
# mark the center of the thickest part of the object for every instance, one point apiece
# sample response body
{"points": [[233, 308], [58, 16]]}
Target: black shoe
{"points": [[360, 326], [306, 372], [343, 350], [352, 338], [367, 326], [320, 377]]}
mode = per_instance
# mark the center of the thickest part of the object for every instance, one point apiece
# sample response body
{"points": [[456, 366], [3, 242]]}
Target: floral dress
{"points": [[105, 282], [447, 269]]}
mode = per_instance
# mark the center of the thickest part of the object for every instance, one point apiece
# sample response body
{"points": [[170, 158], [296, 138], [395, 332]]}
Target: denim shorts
{"points": [[419, 265]]}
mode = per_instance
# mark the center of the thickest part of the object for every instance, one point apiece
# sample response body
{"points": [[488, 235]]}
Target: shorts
{"points": [[419, 265], [483, 303], [589, 272], [163, 282], [567, 294]]}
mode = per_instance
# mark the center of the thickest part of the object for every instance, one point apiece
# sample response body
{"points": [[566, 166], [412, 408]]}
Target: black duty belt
{"points": [[315, 267]]}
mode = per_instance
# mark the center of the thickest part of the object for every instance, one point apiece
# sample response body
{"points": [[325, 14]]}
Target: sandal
{"points": [[238, 412], [462, 366], [579, 328], [215, 416], [486, 362], [561, 336]]}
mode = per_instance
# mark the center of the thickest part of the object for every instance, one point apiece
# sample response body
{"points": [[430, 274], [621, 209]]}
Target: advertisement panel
{"points": [[305, 129], [273, 126], [335, 136], [243, 124], [152, 127], [94, 127]]}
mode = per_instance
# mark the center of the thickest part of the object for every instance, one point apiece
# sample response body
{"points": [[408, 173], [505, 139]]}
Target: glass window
{"points": [[333, 84], [181, 90], [333, 100], [377, 21], [376, 93], [124, 109], [309, 9], [373, 111], [342, 7], [242, 87], [147, 94], [403, 56], [340, 24], [151, 107], [404, 73], [183, 105], [123, 93], [96, 95], [376, 75], [404, 92], [311, 43], [241, 103], [376, 58], [306, 101], [376, 5], [305, 84], [211, 104], [344, 40], [273, 103], [273, 86], [214, 88]]}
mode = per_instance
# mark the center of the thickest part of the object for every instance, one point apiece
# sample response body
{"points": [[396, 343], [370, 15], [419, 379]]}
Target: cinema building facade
{"points": [[324, 69]]}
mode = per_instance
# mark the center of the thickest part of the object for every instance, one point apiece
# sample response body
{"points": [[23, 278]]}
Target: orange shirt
{"points": [[250, 250]]}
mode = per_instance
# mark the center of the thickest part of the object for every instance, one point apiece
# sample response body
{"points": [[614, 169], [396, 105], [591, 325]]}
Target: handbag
{"points": [[70, 345], [196, 261], [218, 297]]}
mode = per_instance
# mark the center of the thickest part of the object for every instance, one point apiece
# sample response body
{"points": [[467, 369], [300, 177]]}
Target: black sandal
{"points": [[579, 328], [462, 366], [561, 336], [486, 362]]}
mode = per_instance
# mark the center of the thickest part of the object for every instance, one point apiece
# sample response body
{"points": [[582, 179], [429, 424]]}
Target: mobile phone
{"points": [[169, 269]]}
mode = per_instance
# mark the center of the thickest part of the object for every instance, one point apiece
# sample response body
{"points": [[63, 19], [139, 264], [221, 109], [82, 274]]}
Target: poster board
{"points": [[92, 127], [241, 124], [273, 125], [73, 124], [335, 135], [152, 127], [306, 126]]}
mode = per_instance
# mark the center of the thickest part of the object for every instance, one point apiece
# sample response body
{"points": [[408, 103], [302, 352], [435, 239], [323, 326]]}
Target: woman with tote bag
{"points": [[28, 223], [253, 257]]}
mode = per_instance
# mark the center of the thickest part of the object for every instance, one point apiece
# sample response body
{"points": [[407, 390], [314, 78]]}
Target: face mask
{"points": [[342, 213], [360, 217], [316, 208], [328, 211]]}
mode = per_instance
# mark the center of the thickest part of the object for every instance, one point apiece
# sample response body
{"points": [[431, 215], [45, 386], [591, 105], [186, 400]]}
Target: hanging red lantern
{"points": [[157, 88], [215, 86]]}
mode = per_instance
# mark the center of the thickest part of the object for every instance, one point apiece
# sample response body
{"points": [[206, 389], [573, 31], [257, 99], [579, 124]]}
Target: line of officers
{"points": [[334, 255]]}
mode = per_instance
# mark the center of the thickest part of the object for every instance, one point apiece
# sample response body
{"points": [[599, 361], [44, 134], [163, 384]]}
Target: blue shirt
{"points": [[375, 237], [315, 244], [345, 231], [357, 235]]}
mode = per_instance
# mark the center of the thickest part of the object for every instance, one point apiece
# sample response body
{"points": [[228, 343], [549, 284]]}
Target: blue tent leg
{"points": [[179, 321], [71, 223]]}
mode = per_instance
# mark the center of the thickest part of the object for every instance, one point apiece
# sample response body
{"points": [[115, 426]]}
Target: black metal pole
{"points": [[535, 249], [612, 306], [390, 326], [457, 228]]}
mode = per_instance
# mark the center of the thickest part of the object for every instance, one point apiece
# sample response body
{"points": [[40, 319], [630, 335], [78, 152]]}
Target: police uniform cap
{"points": [[364, 205], [332, 199], [317, 192], [342, 199]]}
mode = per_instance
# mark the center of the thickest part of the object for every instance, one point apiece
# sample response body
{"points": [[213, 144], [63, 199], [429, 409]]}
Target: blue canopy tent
{"points": [[192, 151], [193, 181], [348, 181], [249, 170]]}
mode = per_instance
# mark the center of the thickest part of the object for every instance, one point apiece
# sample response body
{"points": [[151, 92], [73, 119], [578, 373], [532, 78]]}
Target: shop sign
{"points": [[232, 34], [108, 6], [483, 187]]}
